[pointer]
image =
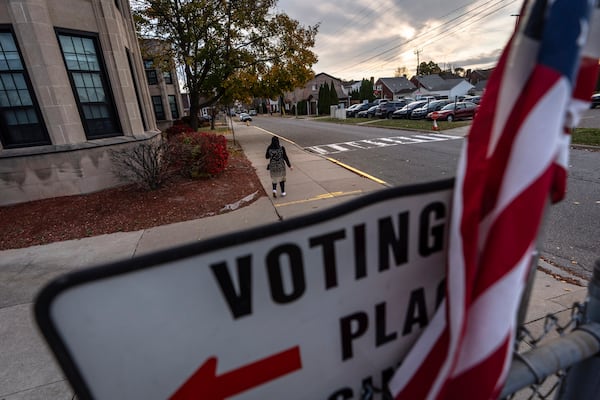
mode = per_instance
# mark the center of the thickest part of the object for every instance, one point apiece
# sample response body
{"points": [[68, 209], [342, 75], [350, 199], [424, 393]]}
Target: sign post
{"points": [[312, 307]]}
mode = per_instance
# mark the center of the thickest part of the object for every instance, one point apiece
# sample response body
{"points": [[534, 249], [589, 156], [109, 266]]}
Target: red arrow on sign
{"points": [[205, 383]]}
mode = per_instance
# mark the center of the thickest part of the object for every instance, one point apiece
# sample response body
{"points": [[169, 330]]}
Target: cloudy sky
{"points": [[365, 38]]}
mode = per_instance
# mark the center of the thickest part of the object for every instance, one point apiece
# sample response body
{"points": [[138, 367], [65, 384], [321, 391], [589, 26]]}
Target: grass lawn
{"points": [[586, 136]]}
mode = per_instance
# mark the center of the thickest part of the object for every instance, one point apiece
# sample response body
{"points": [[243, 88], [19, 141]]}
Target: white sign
{"points": [[309, 308]]}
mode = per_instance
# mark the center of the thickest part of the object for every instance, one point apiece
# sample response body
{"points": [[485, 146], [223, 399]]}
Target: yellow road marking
{"points": [[324, 196], [357, 171]]}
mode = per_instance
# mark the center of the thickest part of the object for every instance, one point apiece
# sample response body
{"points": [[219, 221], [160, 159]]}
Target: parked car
{"points": [[435, 105], [359, 107], [455, 111], [473, 99], [245, 117], [368, 113], [595, 100], [252, 112], [350, 110], [405, 111], [386, 109]]}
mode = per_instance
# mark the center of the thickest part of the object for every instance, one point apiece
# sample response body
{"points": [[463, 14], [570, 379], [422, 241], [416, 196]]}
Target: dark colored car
{"points": [[385, 110], [367, 113], [455, 111], [473, 99], [405, 111], [361, 107], [595, 100], [435, 105]]}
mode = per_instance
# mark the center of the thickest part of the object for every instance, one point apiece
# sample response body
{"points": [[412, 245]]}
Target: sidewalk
{"points": [[28, 370]]}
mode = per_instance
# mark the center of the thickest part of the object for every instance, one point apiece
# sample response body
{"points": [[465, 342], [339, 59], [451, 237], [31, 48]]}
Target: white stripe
{"points": [[455, 282], [487, 320], [520, 63], [337, 147], [405, 140], [446, 136], [455, 275], [414, 359], [429, 138], [534, 149], [317, 149]]}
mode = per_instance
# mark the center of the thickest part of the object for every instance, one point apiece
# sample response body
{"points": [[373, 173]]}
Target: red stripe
{"points": [[482, 379], [545, 79], [513, 232], [422, 381], [586, 78]]}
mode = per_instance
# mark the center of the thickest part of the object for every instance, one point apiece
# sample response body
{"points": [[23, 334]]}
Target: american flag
{"points": [[514, 159]]}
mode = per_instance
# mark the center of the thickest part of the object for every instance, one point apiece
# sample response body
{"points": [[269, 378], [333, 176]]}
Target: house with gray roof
{"points": [[435, 85], [394, 88]]}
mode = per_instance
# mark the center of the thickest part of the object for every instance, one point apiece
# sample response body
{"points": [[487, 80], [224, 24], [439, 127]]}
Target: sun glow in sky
{"points": [[363, 39]]}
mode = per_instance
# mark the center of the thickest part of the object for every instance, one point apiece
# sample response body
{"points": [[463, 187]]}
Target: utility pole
{"points": [[418, 53], [518, 17]]}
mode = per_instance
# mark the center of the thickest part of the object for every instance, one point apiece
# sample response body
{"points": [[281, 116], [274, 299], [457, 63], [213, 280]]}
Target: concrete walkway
{"points": [[28, 370]]}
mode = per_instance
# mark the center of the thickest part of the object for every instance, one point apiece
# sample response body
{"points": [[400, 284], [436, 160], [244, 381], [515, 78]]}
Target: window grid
{"points": [[173, 106], [168, 77], [159, 111], [20, 121], [89, 85]]}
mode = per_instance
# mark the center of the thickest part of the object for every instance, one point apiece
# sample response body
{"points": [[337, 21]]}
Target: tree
{"points": [[400, 72], [324, 99], [429, 68], [366, 90], [333, 97], [460, 71], [227, 52]]}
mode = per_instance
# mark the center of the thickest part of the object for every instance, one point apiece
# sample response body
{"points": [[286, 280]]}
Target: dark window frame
{"points": [[159, 108], [168, 77], [151, 75], [108, 104], [173, 106], [42, 138]]}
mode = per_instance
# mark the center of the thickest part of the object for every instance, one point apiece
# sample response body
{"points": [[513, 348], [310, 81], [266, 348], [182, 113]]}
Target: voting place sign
{"points": [[315, 307]]}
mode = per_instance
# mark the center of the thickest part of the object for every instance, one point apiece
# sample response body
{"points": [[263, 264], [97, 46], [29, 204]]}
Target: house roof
{"points": [[479, 86], [398, 85], [435, 82], [431, 82]]}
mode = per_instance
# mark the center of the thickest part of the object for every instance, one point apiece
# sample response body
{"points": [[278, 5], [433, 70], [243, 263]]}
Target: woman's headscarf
{"points": [[275, 142]]}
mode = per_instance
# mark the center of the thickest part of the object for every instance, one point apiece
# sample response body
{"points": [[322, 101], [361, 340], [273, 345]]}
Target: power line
{"points": [[454, 29]]}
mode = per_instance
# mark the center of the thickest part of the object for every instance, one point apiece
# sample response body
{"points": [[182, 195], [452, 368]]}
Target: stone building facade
{"points": [[72, 87], [161, 77]]}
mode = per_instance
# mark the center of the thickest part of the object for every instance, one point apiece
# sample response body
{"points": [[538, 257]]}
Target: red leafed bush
{"points": [[178, 129], [200, 154]]}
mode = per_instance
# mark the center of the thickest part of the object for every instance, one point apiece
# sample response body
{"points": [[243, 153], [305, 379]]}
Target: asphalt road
{"points": [[571, 236]]}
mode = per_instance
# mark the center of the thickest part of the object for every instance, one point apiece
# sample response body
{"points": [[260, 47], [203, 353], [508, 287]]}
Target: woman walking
{"points": [[277, 160]]}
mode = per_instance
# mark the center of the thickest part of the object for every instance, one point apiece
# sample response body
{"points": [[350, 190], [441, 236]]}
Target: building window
{"points": [[151, 75], [168, 77], [21, 124], [173, 106], [90, 85], [159, 111]]}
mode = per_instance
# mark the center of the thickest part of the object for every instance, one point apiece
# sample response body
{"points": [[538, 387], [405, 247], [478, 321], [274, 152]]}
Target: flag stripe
{"points": [[514, 159]]}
